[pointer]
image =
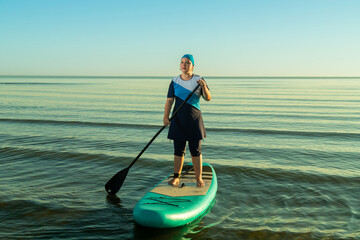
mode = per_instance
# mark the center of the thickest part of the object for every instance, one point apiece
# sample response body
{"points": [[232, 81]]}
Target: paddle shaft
{"points": [[163, 127], [115, 183]]}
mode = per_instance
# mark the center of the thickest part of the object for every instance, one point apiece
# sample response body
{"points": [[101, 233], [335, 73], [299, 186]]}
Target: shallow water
{"points": [[285, 151]]}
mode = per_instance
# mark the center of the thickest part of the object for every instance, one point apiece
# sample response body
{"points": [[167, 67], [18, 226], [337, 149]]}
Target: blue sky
{"points": [[148, 38]]}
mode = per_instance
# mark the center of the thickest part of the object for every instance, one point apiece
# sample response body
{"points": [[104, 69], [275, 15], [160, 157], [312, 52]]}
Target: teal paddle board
{"points": [[166, 206]]}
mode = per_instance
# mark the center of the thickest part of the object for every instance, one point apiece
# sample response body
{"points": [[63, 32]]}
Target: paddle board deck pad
{"points": [[166, 206]]}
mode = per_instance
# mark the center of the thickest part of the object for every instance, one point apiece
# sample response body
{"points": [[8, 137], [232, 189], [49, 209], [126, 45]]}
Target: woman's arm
{"points": [[168, 105], [204, 89]]}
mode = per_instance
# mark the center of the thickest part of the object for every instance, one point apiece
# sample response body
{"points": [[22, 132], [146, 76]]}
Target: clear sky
{"points": [[148, 37]]}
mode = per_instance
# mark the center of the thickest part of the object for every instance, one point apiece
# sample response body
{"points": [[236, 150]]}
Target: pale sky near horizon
{"points": [[148, 38]]}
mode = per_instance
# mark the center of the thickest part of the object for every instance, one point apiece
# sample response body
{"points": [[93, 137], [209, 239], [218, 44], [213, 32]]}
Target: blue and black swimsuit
{"points": [[188, 123]]}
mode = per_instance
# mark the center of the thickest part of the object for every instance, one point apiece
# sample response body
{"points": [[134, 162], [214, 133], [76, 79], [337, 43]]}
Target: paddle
{"points": [[115, 183]]}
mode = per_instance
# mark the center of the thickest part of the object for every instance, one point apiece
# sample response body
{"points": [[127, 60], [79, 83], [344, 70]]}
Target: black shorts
{"points": [[194, 146]]}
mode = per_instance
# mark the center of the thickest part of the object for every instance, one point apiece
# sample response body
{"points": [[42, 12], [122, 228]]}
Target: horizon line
{"points": [[133, 76]]}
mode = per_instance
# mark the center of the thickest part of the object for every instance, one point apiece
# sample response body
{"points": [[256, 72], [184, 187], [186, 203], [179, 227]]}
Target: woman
{"points": [[187, 125]]}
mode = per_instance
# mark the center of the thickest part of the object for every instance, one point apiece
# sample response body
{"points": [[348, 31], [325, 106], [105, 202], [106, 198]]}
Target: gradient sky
{"points": [[148, 37]]}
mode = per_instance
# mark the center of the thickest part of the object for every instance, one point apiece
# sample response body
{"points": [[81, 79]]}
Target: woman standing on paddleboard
{"points": [[187, 125]]}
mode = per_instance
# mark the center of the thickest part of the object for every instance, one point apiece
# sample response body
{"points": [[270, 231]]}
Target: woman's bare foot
{"points": [[174, 182], [200, 183]]}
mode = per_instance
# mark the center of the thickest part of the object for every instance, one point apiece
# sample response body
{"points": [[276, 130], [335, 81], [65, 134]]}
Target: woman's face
{"points": [[186, 65]]}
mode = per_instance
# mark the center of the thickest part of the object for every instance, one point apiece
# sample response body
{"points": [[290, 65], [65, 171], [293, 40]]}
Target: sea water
{"points": [[286, 152]]}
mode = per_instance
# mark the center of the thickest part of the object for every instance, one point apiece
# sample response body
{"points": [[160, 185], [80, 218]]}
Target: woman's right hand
{"points": [[166, 121]]}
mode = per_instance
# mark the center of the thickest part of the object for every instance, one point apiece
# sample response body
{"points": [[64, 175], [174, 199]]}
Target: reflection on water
{"points": [[285, 152]]}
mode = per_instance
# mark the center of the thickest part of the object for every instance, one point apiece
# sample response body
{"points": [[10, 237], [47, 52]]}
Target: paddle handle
{"points": [[163, 127]]}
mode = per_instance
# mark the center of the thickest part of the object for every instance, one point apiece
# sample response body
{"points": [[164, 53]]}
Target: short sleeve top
{"points": [[188, 123]]}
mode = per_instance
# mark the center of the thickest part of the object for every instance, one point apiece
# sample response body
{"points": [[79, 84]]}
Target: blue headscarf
{"points": [[190, 57]]}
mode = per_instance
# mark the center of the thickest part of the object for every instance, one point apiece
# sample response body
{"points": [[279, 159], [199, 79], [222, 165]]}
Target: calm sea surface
{"points": [[286, 152]]}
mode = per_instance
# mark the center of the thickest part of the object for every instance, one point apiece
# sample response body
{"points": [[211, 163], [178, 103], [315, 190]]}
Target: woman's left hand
{"points": [[201, 82], [204, 89]]}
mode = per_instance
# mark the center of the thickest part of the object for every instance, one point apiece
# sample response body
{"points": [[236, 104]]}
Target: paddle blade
{"points": [[115, 183]]}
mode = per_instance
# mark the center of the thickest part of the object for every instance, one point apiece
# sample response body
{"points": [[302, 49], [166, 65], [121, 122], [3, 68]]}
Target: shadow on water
{"points": [[113, 200], [141, 233]]}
